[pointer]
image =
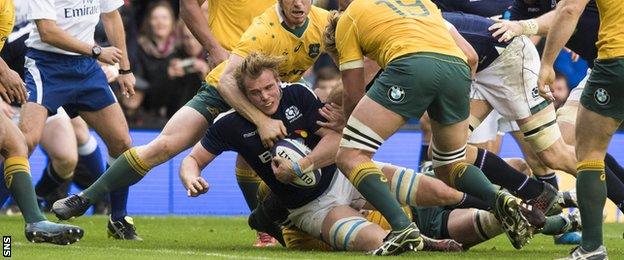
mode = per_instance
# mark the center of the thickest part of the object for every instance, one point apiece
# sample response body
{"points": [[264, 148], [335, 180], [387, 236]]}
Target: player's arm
{"points": [[113, 25], [537, 26], [353, 85], [191, 13], [190, 170], [560, 31], [270, 130], [471, 54], [322, 155]]}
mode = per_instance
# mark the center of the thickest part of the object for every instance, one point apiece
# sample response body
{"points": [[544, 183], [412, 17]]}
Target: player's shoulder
{"points": [[297, 90], [229, 120], [319, 15]]}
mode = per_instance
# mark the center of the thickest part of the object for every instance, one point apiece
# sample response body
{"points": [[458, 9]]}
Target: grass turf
{"points": [[230, 238]]}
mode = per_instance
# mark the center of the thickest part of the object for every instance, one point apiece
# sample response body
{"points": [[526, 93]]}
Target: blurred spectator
{"points": [[188, 68], [326, 81], [560, 89], [157, 46]]}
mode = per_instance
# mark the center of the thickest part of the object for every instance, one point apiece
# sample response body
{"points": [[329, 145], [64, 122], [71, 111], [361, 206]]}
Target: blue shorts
{"points": [[76, 83]]}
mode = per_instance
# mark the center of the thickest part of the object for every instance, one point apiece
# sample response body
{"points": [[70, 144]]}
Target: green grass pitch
{"points": [[230, 238]]}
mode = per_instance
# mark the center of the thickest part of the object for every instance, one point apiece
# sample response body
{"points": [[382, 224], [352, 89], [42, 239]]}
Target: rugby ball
{"points": [[294, 150]]}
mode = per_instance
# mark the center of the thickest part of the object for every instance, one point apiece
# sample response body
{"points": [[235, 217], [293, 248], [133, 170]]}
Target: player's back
{"points": [[485, 8], [388, 29], [474, 29], [611, 34], [229, 19]]}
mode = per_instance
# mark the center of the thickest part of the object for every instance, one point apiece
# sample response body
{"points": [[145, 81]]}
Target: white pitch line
{"points": [[165, 251]]}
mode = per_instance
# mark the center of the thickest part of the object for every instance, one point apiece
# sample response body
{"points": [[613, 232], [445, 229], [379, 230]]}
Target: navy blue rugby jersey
{"points": [[583, 41], [474, 29], [485, 8], [298, 109]]}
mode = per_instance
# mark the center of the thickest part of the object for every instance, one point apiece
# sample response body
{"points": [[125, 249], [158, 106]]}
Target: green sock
{"points": [[471, 180], [19, 182], [591, 191], [125, 171], [554, 225], [248, 182], [249, 190], [373, 185]]}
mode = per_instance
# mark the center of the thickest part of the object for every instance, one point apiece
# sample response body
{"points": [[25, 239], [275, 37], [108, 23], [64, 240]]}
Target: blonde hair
{"points": [[329, 36], [253, 66]]}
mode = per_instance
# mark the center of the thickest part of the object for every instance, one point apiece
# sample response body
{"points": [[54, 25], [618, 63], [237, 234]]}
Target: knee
{"points": [[347, 159], [65, 165], [119, 145], [161, 149], [30, 141], [558, 159]]}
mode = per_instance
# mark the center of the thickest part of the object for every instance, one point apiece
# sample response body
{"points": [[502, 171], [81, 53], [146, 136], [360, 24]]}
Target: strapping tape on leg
{"points": [[542, 131], [404, 185], [486, 225], [473, 123], [357, 135], [567, 114], [441, 158], [343, 233]]}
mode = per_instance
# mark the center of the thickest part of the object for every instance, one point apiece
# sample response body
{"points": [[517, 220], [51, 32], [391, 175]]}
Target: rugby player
{"points": [[582, 42], [327, 210], [443, 79], [16, 167], [602, 104], [290, 28], [226, 22]]}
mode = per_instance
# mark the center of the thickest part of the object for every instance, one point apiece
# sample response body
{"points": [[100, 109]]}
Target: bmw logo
{"points": [[601, 96], [396, 94]]}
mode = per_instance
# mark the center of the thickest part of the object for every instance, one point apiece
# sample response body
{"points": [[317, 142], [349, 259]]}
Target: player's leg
{"points": [[249, 182], [354, 160], [60, 145], [89, 153], [183, 130], [541, 132], [111, 125], [590, 183], [603, 105], [346, 229], [425, 128], [417, 189], [18, 180], [559, 155]]}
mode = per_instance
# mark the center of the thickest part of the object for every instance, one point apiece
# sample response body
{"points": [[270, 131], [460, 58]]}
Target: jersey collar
{"points": [[297, 31]]}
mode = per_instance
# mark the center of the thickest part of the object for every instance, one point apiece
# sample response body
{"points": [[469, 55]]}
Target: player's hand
{"points": [[271, 130], [546, 78], [283, 169], [217, 55], [110, 55], [14, 88], [506, 29], [126, 84], [195, 186], [6, 109], [334, 115]]}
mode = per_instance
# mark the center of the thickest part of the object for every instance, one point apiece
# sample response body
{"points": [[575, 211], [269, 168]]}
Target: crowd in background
{"points": [[169, 63]]}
